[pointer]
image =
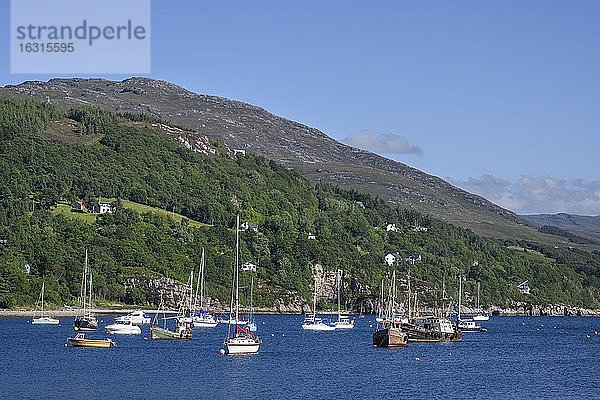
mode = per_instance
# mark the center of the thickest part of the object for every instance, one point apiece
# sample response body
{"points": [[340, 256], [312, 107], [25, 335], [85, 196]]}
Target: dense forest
{"points": [[47, 157]]}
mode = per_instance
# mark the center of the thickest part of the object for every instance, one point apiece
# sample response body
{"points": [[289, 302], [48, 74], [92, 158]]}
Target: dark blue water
{"points": [[519, 358]]}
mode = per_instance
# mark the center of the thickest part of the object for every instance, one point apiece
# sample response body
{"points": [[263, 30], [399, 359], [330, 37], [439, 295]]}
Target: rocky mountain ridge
{"points": [[244, 127]]}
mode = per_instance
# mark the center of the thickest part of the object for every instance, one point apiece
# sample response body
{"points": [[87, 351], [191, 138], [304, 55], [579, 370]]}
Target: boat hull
{"points": [[390, 337], [45, 321], [243, 345], [158, 333], [85, 324], [122, 330], [343, 325], [205, 322], [481, 318], [420, 334], [318, 327], [97, 343]]}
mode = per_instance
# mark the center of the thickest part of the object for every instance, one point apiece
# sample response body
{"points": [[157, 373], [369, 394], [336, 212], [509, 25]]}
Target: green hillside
{"points": [[98, 154], [66, 209]]}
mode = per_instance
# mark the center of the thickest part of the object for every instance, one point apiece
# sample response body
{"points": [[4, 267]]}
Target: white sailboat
{"points": [[43, 320], [481, 316], [202, 318], [239, 340], [343, 321], [85, 321], [314, 323]]}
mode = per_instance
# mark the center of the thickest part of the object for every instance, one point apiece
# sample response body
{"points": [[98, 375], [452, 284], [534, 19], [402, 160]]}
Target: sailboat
{"points": [[42, 320], [481, 316], [343, 321], [314, 323], [239, 340], [469, 324], [251, 325], [84, 320], [202, 318], [182, 328], [389, 332]]}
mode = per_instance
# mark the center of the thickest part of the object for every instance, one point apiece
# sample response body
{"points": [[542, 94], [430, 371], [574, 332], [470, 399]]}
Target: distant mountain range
{"points": [[582, 225], [317, 156]]}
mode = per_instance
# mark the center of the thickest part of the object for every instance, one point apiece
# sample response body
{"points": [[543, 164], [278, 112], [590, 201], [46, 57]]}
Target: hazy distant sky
{"points": [[501, 98]]}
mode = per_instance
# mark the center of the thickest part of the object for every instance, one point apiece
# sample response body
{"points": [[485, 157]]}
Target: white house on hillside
{"points": [[524, 287], [104, 208], [249, 226], [391, 258], [391, 228]]}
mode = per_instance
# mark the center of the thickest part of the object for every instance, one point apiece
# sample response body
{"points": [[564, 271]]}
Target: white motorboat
{"points": [[344, 322], [43, 320], [123, 328], [469, 325], [313, 323], [136, 317]]}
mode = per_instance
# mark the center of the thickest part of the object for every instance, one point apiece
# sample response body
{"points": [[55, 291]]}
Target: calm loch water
{"points": [[519, 358]]}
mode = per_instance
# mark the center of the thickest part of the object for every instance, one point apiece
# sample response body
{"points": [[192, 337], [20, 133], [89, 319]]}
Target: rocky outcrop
{"points": [[551, 310]]}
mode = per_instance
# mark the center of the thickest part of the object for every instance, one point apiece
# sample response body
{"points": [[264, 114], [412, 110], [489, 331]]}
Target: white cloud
{"points": [[387, 143], [533, 194]]}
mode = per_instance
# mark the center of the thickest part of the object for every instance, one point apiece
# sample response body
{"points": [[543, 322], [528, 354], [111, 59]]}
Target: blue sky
{"points": [[500, 98]]}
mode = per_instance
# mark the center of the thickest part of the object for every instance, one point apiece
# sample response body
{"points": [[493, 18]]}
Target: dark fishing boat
{"points": [[389, 331], [429, 328]]}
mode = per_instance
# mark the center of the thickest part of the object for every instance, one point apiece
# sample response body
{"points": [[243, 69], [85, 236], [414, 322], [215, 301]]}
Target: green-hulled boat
{"points": [[182, 331]]}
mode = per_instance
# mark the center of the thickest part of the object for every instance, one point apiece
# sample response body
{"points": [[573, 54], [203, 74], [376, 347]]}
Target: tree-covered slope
{"points": [[46, 157]]}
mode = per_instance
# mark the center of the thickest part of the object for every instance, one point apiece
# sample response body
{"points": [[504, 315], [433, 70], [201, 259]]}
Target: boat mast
{"points": [[43, 283], [237, 271], [338, 283], [315, 301], [478, 296], [83, 290], [251, 318], [89, 310], [393, 297], [459, 295], [201, 281], [409, 294], [191, 283]]}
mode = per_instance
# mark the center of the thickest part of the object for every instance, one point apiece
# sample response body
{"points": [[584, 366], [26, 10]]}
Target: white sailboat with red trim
{"points": [[239, 339]]}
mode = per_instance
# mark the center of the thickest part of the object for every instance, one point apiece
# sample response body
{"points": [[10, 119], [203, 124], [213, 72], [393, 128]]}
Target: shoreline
{"points": [[72, 312]]}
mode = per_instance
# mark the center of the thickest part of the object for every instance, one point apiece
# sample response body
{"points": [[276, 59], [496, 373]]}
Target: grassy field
{"points": [[65, 209]]}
